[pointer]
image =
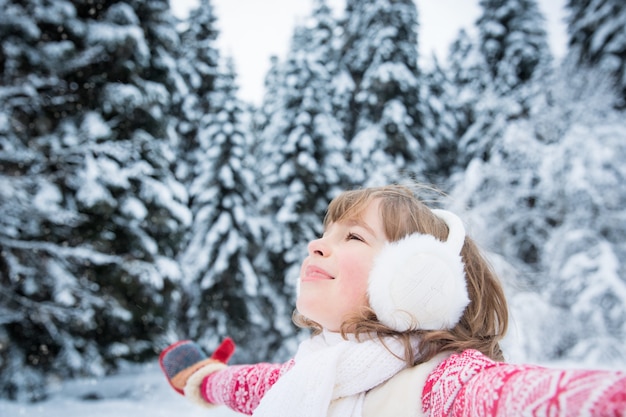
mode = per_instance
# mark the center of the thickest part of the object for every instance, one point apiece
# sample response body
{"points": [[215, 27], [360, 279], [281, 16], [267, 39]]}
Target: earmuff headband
{"points": [[419, 282]]}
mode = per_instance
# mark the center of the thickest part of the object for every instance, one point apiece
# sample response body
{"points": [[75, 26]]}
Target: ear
{"points": [[419, 282]]}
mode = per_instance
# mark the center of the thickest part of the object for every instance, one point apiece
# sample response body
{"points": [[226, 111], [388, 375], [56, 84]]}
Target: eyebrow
{"points": [[355, 222]]}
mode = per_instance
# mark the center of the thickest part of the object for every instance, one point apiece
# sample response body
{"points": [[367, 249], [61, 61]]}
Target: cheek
{"points": [[355, 282]]}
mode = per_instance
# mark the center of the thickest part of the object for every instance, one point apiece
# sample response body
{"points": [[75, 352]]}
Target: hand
{"points": [[181, 359]]}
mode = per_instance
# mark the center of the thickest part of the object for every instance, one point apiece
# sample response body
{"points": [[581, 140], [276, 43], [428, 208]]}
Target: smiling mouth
{"points": [[313, 273]]}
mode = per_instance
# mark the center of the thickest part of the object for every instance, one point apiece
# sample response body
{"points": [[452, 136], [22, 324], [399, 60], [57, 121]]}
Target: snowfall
{"points": [[140, 390]]}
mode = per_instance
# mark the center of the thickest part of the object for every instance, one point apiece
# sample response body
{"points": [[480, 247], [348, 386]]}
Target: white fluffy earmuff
{"points": [[418, 282]]}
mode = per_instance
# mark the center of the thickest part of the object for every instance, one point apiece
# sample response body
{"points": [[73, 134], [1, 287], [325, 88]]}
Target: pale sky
{"points": [[251, 31]]}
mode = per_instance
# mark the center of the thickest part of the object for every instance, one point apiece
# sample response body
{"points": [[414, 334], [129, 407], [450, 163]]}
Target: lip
{"points": [[314, 273]]}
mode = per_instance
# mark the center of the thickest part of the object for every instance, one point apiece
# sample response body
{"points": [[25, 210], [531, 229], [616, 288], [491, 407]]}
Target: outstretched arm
{"points": [[241, 387], [208, 381], [470, 384]]}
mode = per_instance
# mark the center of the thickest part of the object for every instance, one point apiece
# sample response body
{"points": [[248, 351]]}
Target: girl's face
{"points": [[334, 275]]}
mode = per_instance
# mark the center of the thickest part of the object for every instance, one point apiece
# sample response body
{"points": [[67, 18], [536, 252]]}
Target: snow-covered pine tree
{"points": [[382, 123], [450, 94], [514, 42], [91, 211], [439, 121], [583, 176], [549, 201], [224, 295], [597, 37], [515, 52], [467, 69], [198, 65], [302, 165], [271, 99], [459, 107]]}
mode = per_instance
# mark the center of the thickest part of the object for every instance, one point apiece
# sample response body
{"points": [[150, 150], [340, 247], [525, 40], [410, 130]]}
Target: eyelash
{"points": [[352, 236]]}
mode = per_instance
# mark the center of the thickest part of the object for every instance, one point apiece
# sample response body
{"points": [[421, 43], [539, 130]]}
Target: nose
{"points": [[318, 247]]}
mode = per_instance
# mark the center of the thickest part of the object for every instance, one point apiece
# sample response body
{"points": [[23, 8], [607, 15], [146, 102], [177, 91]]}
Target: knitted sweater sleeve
{"points": [[241, 387], [470, 384]]}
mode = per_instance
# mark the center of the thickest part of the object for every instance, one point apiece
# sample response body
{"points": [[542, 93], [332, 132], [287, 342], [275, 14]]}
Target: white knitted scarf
{"points": [[331, 376]]}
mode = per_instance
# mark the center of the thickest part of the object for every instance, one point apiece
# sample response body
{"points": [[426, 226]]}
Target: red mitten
{"points": [[182, 359], [224, 351]]}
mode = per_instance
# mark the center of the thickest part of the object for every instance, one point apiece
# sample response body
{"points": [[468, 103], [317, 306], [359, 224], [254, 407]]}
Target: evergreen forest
{"points": [[143, 202]]}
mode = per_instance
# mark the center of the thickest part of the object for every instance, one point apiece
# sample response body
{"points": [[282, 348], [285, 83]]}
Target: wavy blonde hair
{"points": [[484, 321]]}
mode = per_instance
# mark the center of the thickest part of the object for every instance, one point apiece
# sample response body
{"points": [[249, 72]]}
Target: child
{"points": [[406, 317]]}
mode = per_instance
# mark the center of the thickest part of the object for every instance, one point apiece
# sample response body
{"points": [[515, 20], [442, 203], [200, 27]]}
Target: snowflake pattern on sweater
{"points": [[241, 387], [470, 384], [464, 385]]}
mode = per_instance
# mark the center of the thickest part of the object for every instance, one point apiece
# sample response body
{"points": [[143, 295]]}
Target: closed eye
{"points": [[354, 236]]}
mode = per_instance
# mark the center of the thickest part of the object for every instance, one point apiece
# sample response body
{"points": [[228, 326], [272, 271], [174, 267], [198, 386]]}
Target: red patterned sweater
{"points": [[464, 385]]}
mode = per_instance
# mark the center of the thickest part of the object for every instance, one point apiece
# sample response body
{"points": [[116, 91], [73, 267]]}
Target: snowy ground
{"points": [[137, 392]]}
